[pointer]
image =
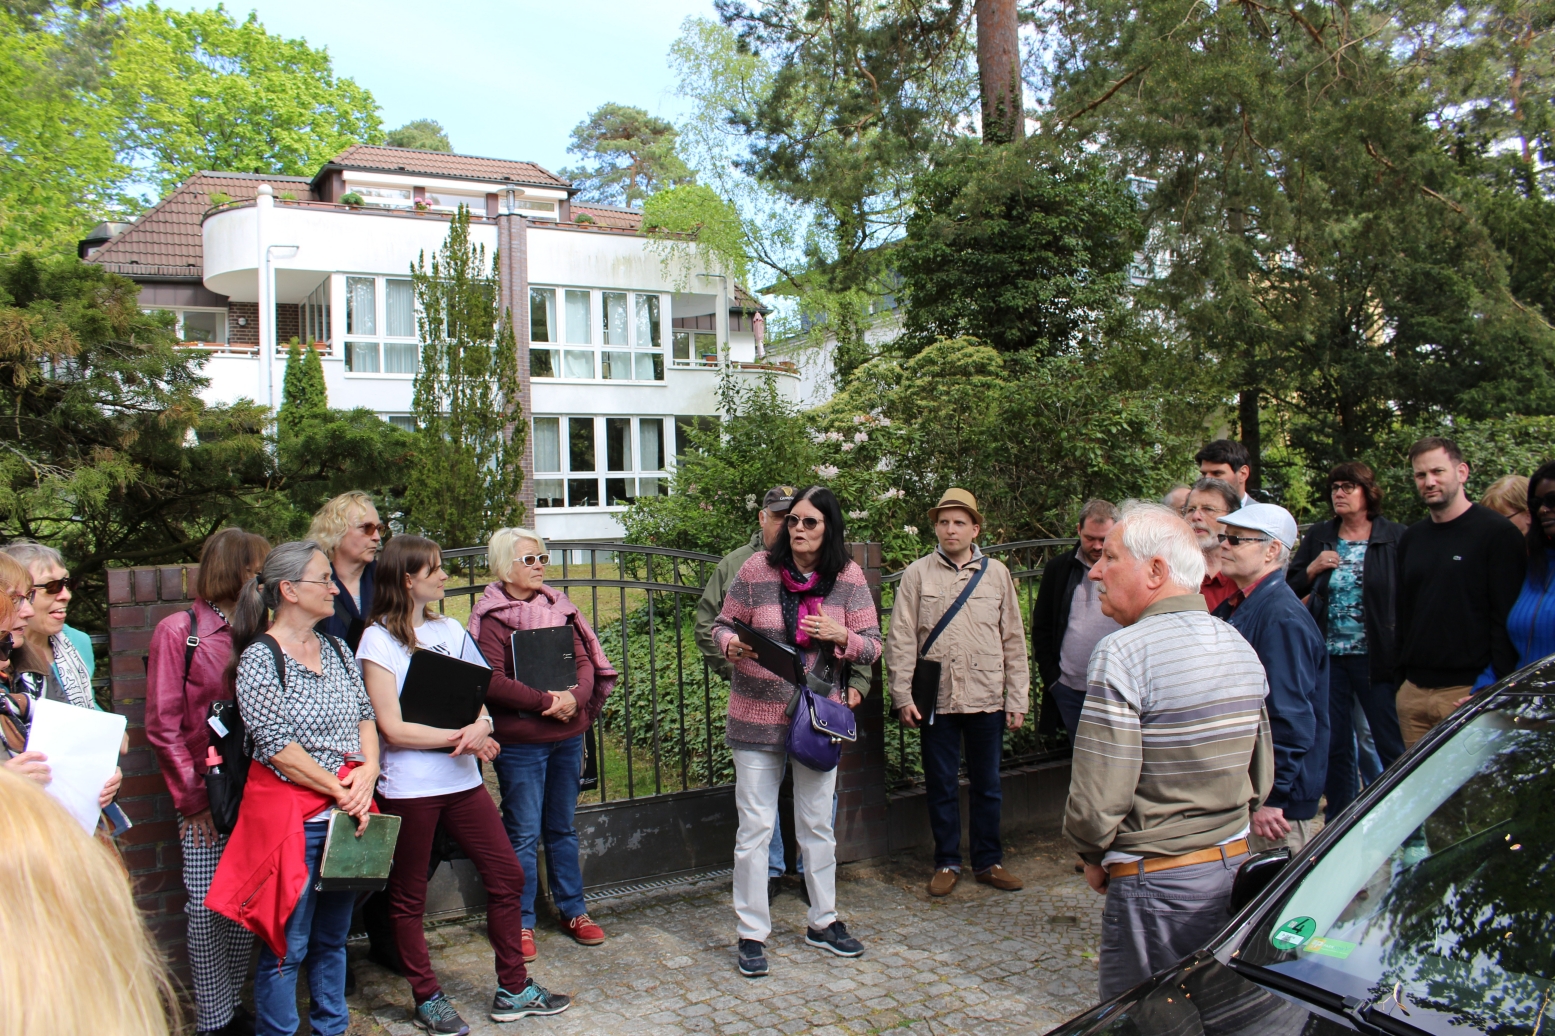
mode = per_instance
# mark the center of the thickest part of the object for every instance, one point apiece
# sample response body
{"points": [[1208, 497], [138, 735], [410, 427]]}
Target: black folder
{"points": [[443, 691], [544, 658], [779, 659]]}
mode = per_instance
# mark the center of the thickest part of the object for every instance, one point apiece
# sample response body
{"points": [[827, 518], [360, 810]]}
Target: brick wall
{"points": [[138, 599], [288, 323], [861, 789], [248, 334]]}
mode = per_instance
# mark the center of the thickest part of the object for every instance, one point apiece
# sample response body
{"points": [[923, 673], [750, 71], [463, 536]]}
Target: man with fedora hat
{"points": [[957, 611]]}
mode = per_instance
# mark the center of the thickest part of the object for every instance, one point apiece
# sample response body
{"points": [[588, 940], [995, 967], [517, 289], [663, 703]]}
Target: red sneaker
{"points": [[526, 945], [586, 932]]}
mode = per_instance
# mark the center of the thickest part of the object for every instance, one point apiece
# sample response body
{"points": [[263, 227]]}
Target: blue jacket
{"points": [[347, 622], [1295, 659], [1531, 624]]}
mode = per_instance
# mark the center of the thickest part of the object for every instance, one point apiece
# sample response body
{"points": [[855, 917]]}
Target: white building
{"points": [[621, 348]]}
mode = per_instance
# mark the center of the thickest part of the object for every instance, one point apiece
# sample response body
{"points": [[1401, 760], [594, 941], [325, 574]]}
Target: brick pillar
{"points": [[138, 599], [861, 785], [513, 289]]}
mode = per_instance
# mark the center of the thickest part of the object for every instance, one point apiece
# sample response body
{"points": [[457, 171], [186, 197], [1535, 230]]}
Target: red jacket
{"points": [[177, 707], [264, 866]]}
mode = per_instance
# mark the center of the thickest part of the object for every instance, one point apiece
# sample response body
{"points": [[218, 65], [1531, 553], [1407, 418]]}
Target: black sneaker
{"points": [[834, 937], [532, 999], [774, 886], [438, 1017], [753, 958]]}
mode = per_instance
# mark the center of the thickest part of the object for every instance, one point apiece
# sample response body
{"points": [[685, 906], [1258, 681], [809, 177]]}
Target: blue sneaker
{"points": [[437, 1016], [753, 958], [834, 937], [532, 999]]}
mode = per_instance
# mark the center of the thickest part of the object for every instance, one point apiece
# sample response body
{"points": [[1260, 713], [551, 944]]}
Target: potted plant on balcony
{"points": [[584, 217], [352, 199]]}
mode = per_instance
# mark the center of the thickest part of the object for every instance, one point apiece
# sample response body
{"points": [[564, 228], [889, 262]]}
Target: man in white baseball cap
{"points": [[1254, 549]]}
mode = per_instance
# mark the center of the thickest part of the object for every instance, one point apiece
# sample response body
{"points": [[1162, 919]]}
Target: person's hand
{"points": [[471, 739], [110, 789], [563, 705], [32, 765], [1096, 877], [737, 649], [356, 793], [855, 699], [1270, 823], [1325, 561], [824, 627], [202, 825], [489, 751], [909, 716], [1014, 720]]}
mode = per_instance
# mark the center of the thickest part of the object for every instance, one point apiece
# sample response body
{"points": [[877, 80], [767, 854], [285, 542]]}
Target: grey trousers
{"points": [[1154, 920]]}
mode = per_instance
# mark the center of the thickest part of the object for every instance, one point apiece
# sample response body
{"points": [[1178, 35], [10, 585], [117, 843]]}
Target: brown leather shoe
{"points": [[1000, 878], [943, 881]]}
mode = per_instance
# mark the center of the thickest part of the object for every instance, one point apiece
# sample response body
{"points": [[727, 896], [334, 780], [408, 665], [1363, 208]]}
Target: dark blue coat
{"points": [[347, 622], [1295, 659]]}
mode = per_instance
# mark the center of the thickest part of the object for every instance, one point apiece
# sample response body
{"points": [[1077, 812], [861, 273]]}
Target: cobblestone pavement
{"points": [[978, 961]]}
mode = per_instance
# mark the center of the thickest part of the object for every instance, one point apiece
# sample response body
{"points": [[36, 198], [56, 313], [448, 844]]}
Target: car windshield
{"points": [[1437, 907]]}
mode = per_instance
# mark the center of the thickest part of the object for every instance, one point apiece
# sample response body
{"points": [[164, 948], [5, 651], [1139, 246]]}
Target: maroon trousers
{"points": [[472, 819]]}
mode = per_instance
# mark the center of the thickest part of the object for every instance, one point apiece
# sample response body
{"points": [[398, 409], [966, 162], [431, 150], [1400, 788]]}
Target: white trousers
{"points": [[757, 778]]}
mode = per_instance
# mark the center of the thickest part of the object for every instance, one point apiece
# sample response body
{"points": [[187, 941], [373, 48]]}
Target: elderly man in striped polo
{"points": [[1172, 755]]}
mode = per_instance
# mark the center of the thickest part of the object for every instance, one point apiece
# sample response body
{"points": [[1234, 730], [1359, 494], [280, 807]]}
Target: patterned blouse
{"points": [[1346, 619], [319, 711]]}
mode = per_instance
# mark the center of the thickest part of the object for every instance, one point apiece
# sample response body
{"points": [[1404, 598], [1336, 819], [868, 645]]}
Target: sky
{"points": [[506, 80]]}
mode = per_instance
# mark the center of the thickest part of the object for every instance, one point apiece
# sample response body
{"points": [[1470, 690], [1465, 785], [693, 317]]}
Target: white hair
{"points": [[1152, 531], [502, 551]]}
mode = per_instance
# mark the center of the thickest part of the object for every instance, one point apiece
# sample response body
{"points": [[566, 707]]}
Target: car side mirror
{"points": [[1254, 876]]}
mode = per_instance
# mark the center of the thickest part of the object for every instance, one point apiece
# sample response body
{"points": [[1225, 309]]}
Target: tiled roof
{"points": [[443, 163], [610, 216], [167, 242], [745, 301]]}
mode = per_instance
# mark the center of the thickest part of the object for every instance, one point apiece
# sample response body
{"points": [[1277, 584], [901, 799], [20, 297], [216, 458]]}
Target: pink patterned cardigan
{"points": [[757, 699]]}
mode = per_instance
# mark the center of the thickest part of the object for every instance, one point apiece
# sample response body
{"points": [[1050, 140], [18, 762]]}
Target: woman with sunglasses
{"points": [[541, 733], [347, 529], [14, 704], [431, 777], [51, 646], [1346, 570], [1531, 623], [804, 591]]}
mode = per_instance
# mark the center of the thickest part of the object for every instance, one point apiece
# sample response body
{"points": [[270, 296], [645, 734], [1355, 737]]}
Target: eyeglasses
{"points": [[1208, 512], [54, 586], [534, 559], [29, 596], [368, 528], [1545, 502], [793, 521], [1343, 487], [316, 582], [1237, 541]]}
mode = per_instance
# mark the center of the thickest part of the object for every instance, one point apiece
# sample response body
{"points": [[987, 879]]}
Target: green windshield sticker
{"points": [[1329, 947], [1293, 933]]}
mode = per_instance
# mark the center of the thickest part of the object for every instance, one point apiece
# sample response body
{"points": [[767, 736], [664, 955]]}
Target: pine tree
{"points": [[466, 473], [303, 395]]}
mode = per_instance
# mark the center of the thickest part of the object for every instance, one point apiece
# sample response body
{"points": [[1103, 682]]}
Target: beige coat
{"points": [[983, 650]]}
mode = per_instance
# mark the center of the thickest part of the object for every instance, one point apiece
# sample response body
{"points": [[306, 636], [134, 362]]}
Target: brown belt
{"points": [[1166, 863]]}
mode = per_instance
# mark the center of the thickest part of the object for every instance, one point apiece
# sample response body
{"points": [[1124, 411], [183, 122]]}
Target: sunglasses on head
{"points": [[531, 559], [54, 586], [1237, 541], [793, 521]]}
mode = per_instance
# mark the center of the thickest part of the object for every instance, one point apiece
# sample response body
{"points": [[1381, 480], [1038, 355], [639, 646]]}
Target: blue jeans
{"points": [[316, 933], [1349, 682], [1365, 746], [984, 735], [1071, 703], [539, 797]]}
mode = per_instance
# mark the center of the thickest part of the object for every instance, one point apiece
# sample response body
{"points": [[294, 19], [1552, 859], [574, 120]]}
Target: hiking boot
{"points": [[586, 932], [999, 878], [834, 937], [943, 881], [753, 958], [533, 999], [526, 945], [437, 1016]]}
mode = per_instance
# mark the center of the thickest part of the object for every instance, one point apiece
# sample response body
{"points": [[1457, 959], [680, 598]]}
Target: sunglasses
{"points": [[534, 559], [793, 521], [1237, 541], [368, 528], [54, 586], [1545, 502]]}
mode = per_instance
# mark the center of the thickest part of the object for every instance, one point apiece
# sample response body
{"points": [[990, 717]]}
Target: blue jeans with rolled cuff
{"points": [[539, 784], [316, 933], [983, 733]]}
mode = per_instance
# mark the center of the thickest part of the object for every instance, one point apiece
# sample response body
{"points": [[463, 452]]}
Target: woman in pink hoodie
{"points": [[541, 733]]}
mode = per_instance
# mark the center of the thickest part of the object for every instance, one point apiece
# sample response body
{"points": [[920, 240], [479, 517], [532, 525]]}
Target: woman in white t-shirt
{"points": [[430, 774]]}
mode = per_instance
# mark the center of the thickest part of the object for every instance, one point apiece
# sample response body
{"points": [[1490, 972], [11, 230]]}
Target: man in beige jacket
{"points": [[983, 688]]}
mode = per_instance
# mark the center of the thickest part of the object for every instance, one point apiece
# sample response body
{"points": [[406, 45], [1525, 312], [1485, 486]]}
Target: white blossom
{"points": [[885, 422], [860, 418], [847, 447], [891, 494], [911, 530], [750, 501], [834, 436], [860, 436], [858, 515], [827, 470]]}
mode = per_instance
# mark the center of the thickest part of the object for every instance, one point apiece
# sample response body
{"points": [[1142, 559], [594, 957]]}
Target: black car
{"points": [[1427, 906]]}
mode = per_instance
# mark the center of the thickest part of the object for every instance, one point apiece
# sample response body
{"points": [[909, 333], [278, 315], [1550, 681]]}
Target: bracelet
{"points": [[490, 722]]}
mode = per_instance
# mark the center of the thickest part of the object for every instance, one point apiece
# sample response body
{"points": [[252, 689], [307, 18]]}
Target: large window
{"points": [[381, 333], [628, 331], [692, 348], [315, 314], [576, 457]]}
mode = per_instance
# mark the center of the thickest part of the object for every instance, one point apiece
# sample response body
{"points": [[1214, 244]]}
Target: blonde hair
{"points": [[14, 576], [75, 955], [502, 551], [335, 518], [1507, 495]]}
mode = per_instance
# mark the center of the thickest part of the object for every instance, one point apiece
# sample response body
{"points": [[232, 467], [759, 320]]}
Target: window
{"points": [[205, 326], [694, 347], [386, 307], [543, 363], [634, 457], [362, 357], [535, 206], [648, 322], [451, 202], [315, 314], [630, 327], [361, 306], [406, 422], [383, 197]]}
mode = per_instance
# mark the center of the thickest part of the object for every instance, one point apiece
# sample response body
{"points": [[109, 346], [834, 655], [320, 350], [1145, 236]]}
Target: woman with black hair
{"points": [[1531, 623], [804, 591]]}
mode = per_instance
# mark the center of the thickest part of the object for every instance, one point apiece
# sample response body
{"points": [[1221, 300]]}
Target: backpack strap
{"points": [[275, 652], [340, 651], [953, 610]]}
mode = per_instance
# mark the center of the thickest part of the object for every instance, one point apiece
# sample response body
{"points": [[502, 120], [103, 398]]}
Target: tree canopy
{"points": [[425, 134], [628, 155]]}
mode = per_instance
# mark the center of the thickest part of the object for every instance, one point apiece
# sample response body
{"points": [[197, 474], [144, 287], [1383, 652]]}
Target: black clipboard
{"points": [[781, 660], [545, 658], [443, 691]]}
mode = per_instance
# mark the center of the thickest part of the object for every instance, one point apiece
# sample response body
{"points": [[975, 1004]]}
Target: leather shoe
{"points": [[1000, 878], [943, 881]]}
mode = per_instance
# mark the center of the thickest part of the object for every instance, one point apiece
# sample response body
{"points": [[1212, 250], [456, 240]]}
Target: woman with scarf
{"points": [[541, 733], [807, 592]]}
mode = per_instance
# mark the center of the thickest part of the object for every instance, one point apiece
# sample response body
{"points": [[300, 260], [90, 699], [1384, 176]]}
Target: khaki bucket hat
{"points": [[956, 498]]}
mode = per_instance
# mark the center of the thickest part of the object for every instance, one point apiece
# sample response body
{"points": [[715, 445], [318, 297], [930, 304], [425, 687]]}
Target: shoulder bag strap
{"points": [[951, 612], [191, 642]]}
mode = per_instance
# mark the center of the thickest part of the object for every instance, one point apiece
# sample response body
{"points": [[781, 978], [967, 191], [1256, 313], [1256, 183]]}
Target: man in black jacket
{"points": [[1067, 620]]}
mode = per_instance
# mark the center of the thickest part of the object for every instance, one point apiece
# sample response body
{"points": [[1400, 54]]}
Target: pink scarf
{"points": [[809, 604], [548, 607]]}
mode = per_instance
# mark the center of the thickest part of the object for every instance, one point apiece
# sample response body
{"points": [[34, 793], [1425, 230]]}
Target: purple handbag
{"points": [[818, 730]]}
